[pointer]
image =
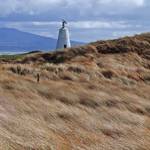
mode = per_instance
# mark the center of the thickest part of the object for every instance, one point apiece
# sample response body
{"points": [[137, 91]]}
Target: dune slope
{"points": [[94, 97]]}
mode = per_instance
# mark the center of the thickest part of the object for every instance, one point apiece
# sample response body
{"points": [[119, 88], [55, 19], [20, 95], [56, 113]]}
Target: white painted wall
{"points": [[63, 38]]}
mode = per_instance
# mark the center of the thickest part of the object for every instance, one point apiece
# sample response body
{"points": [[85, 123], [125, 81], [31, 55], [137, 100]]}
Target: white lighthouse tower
{"points": [[63, 37]]}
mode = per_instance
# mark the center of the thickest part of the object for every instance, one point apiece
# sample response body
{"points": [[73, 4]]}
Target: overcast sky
{"points": [[89, 20]]}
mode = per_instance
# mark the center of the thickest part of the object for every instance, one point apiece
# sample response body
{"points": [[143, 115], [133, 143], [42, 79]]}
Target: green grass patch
{"points": [[12, 57]]}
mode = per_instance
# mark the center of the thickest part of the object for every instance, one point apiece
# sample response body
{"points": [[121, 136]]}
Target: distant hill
{"points": [[13, 40], [139, 44]]}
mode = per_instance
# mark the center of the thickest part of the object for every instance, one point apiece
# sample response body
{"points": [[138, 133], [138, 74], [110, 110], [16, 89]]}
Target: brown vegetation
{"points": [[94, 97]]}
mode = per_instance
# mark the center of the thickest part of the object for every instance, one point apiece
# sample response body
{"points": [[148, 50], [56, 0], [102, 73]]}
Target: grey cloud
{"points": [[83, 7], [89, 20]]}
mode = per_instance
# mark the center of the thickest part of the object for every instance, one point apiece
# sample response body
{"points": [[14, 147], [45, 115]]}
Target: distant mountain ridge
{"points": [[13, 40]]}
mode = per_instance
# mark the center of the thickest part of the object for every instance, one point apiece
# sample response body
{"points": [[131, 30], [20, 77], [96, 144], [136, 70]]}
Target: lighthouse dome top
{"points": [[64, 22]]}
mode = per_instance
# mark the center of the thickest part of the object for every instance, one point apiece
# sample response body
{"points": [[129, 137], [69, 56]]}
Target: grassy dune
{"points": [[94, 97]]}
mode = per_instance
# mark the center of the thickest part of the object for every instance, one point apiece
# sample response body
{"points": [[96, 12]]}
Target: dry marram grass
{"points": [[88, 98]]}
